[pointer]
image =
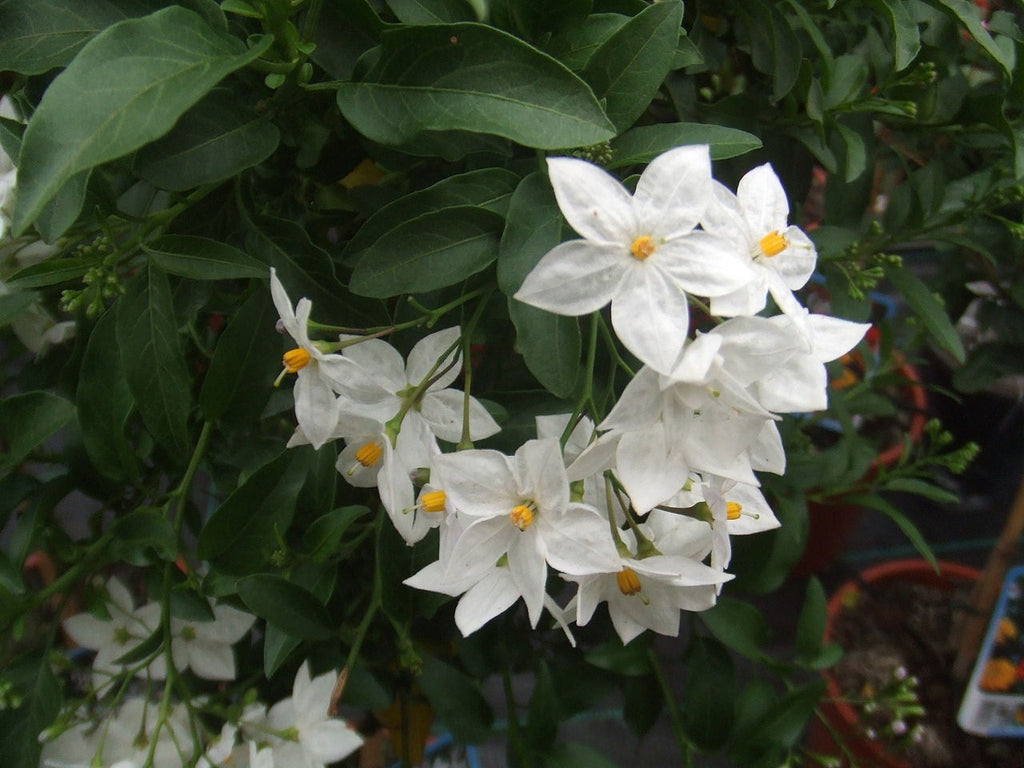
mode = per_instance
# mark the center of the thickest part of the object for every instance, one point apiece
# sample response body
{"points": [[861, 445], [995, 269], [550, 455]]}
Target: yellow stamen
{"points": [[628, 581], [642, 247], [733, 510], [295, 360], [434, 501], [521, 517], [773, 244], [369, 455]]}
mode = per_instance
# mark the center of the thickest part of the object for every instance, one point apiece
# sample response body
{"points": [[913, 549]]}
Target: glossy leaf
{"points": [[64, 209], [26, 421], [774, 46], [324, 535], [431, 11], [643, 143], [286, 605], [575, 44], [215, 140], [738, 625], [245, 530], [475, 78], [199, 258], [431, 251], [154, 362], [125, 88], [278, 645], [630, 66], [105, 402], [51, 272]]}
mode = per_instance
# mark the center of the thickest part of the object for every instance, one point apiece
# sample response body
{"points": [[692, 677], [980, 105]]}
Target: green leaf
{"points": [[457, 700], [39, 35], [286, 605], [774, 46], [245, 363], [199, 258], [431, 11], [347, 30], [544, 712], [63, 210], [905, 34], [738, 625], [154, 362], [13, 304], [489, 188], [50, 272], [550, 344], [921, 488], [810, 628], [643, 143], [855, 162], [11, 583], [571, 754], [144, 528], [105, 402], [641, 709], [575, 44], [33, 679], [628, 660], [475, 78], [26, 421], [967, 14], [277, 647], [324, 535], [903, 522], [784, 721], [216, 139], [710, 693], [431, 251], [244, 531], [630, 66], [125, 88], [929, 310]]}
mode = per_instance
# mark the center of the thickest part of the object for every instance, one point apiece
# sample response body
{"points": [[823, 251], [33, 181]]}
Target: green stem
{"points": [[466, 440], [675, 716]]}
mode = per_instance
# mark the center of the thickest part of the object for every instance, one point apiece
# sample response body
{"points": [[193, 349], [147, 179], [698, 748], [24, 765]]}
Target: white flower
{"points": [[756, 220], [202, 646], [518, 508], [642, 252], [320, 375], [434, 358], [312, 738], [110, 638]]}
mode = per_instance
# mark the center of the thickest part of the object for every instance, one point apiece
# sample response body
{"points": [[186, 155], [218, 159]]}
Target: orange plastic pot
{"points": [[839, 717]]}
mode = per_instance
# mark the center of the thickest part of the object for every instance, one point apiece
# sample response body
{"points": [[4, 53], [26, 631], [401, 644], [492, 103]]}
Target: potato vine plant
{"points": [[356, 353]]}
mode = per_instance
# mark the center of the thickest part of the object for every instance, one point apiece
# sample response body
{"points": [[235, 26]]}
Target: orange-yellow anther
{"points": [[369, 454], [773, 244], [521, 517], [629, 582], [642, 247], [434, 501], [296, 359], [733, 510]]}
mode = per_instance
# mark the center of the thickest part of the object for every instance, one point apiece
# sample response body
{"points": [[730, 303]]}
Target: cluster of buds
{"points": [[893, 711]]}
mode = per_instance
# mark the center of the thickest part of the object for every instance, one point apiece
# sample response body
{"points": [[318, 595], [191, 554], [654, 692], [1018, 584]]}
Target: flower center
{"points": [[773, 244], [122, 636], [188, 632], [733, 510], [521, 517], [642, 247], [628, 581], [295, 360], [369, 455], [434, 501]]}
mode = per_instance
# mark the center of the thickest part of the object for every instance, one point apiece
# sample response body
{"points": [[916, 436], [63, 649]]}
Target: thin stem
{"points": [[466, 440], [673, 709]]}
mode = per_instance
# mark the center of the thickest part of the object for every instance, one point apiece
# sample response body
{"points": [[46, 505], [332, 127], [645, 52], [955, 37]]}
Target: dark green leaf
{"points": [[906, 36], [640, 708], [215, 140], [810, 628], [105, 402], [786, 719], [33, 679], [431, 11], [571, 754], [738, 625], [630, 66], [324, 535], [923, 302], [154, 362], [127, 87], [710, 693], [774, 46], [51, 272], [397, 561], [199, 258], [144, 528], [643, 143], [628, 660], [11, 583], [457, 700], [544, 712], [347, 30], [277, 647], [62, 211], [475, 78], [286, 605], [26, 421], [967, 14], [38, 35], [921, 488], [550, 345], [575, 44], [187, 605], [431, 251], [245, 530], [902, 521]]}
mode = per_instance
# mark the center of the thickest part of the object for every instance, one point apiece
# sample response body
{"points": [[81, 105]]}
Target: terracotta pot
{"points": [[831, 524], [841, 718]]}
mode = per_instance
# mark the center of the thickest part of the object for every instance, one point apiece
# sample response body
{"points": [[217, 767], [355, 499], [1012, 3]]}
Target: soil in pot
{"points": [[896, 629]]}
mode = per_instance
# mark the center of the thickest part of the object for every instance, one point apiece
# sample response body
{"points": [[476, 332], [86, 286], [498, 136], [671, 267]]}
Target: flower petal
{"points": [[492, 595], [575, 278], [651, 316], [211, 660], [673, 191], [763, 200], [593, 201], [316, 407], [426, 355]]}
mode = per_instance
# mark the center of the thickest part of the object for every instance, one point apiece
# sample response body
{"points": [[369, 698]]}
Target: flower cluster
{"points": [[637, 511], [123, 728]]}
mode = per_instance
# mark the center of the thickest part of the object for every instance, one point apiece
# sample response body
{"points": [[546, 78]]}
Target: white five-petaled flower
{"points": [[202, 646], [756, 221], [641, 252], [311, 738], [320, 375]]}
